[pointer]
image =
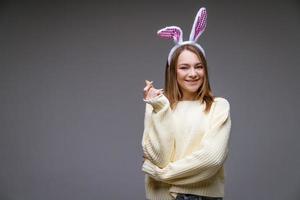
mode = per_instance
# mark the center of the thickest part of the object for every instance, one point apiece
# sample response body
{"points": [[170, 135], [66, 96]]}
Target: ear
{"points": [[171, 32], [199, 24]]}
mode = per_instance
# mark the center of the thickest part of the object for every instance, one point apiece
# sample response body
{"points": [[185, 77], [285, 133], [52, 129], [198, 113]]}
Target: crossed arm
{"points": [[201, 164]]}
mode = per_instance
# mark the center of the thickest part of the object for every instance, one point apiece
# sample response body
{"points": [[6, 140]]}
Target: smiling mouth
{"points": [[191, 81]]}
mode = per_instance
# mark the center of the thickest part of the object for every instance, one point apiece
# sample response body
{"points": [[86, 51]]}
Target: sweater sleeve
{"points": [[205, 162], [158, 136]]}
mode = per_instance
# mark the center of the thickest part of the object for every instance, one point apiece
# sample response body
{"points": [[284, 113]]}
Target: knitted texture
{"points": [[185, 148]]}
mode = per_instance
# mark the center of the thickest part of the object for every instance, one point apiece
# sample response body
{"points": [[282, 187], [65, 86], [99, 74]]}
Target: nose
{"points": [[192, 73]]}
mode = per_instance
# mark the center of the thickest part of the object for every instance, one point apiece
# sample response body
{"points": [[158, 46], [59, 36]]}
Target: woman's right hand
{"points": [[151, 92]]}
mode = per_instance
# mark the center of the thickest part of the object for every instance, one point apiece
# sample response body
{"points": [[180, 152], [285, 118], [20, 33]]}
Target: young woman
{"points": [[186, 128]]}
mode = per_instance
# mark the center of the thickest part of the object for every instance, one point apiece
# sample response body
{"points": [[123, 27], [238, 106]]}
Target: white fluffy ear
{"points": [[199, 24], [171, 32]]}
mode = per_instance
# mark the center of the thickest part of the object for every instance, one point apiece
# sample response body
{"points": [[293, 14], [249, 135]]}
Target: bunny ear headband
{"points": [[175, 33]]}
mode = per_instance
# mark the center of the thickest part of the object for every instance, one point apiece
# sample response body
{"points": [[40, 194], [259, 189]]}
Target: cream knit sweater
{"points": [[185, 148]]}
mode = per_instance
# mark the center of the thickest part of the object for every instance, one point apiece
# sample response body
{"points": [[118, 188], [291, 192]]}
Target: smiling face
{"points": [[187, 64], [190, 73]]}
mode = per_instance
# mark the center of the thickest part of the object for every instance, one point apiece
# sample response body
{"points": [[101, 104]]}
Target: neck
{"points": [[188, 97]]}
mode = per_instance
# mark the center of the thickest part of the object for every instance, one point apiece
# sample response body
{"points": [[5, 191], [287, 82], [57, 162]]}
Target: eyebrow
{"points": [[199, 63]]}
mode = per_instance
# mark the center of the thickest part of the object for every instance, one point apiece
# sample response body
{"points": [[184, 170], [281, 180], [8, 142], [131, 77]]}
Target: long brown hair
{"points": [[172, 89]]}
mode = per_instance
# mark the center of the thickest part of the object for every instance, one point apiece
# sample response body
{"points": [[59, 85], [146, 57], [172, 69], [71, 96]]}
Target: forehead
{"points": [[188, 57]]}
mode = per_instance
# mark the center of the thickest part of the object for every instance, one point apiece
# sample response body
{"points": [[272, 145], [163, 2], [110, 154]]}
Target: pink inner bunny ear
{"points": [[171, 32], [199, 24]]}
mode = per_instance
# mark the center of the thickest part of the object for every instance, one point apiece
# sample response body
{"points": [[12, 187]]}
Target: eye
{"points": [[183, 67], [199, 67]]}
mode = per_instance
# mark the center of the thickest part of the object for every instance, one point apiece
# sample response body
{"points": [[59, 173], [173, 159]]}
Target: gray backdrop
{"points": [[71, 83]]}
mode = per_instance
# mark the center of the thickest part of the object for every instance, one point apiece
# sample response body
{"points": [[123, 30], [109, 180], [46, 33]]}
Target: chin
{"points": [[192, 90]]}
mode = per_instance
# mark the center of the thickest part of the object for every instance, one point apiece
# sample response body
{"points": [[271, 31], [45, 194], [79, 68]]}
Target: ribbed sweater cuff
{"points": [[157, 102], [149, 168], [148, 148]]}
